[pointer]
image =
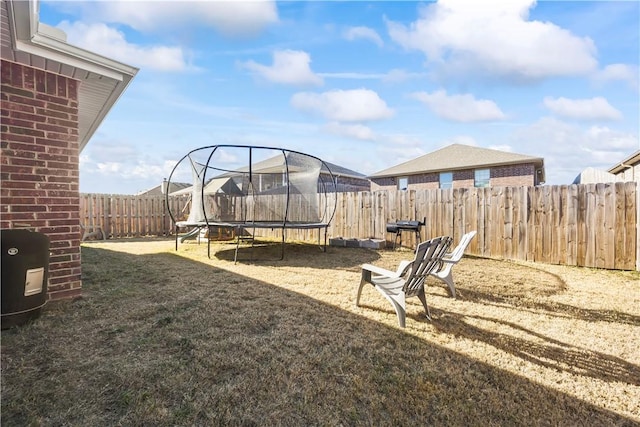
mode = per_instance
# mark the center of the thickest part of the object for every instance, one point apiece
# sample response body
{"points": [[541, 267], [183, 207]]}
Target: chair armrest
{"points": [[379, 271], [402, 267], [449, 260]]}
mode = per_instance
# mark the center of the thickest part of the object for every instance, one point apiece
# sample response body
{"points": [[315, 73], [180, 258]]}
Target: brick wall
{"points": [[383, 184], [464, 178], [501, 176], [425, 181], [39, 182], [347, 183], [513, 175]]}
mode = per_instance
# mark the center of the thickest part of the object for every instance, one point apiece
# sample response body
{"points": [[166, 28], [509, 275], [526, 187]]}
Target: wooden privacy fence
{"points": [[593, 225], [122, 216]]}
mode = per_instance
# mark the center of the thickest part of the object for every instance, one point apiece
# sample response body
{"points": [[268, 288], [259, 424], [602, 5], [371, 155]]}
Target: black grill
{"points": [[411, 226]]}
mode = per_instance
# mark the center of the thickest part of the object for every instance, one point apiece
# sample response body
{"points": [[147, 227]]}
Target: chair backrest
{"points": [[428, 256], [457, 253]]}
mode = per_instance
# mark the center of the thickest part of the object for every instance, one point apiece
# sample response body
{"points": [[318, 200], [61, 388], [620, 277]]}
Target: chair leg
{"points": [[423, 300], [402, 315], [448, 279], [366, 278], [398, 303]]}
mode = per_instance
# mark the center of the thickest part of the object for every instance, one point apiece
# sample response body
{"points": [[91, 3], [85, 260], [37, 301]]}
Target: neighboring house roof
{"points": [[274, 164], [217, 185], [28, 41], [157, 190], [632, 160], [457, 157], [340, 171]]}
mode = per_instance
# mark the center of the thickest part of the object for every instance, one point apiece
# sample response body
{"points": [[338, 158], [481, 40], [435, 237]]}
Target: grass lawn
{"points": [[161, 337]]}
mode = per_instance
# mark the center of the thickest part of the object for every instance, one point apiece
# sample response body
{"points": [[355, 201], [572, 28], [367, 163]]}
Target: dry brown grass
{"points": [[174, 338]]}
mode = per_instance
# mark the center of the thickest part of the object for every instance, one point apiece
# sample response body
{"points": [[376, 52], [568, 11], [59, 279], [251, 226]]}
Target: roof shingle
{"points": [[457, 157]]}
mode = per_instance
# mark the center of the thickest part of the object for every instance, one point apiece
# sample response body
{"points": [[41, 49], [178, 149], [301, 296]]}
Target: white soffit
{"points": [[102, 80]]}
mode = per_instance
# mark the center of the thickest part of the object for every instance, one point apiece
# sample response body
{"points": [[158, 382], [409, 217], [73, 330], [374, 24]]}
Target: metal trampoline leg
{"points": [[282, 248], [324, 247]]}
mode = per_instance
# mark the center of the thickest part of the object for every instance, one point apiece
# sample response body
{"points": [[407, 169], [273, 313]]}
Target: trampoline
{"points": [[247, 188]]}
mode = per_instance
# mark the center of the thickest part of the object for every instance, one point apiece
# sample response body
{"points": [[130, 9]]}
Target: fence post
{"points": [[584, 225]]}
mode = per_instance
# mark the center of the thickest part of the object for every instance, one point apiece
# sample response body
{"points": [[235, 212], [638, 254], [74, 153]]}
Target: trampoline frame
{"points": [[240, 226]]}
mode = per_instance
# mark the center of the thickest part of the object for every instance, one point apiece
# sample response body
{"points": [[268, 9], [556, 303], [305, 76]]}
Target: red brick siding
{"points": [[513, 175], [39, 171], [347, 183], [464, 178], [383, 184], [501, 176], [428, 181]]}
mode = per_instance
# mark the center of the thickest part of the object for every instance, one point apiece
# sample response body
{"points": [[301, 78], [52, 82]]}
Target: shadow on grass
{"points": [[551, 353], [553, 308], [513, 295], [296, 254], [161, 340]]}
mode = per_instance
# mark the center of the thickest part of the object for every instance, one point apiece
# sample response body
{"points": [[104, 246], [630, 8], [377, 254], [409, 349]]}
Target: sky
{"points": [[362, 84]]}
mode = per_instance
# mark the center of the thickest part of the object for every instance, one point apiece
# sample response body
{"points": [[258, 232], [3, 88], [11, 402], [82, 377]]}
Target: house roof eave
{"points": [[630, 161], [539, 162], [40, 40], [457, 157]]}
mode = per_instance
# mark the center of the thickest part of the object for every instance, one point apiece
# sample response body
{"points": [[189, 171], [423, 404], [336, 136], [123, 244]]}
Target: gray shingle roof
{"points": [[457, 157], [157, 190], [337, 170], [275, 164]]}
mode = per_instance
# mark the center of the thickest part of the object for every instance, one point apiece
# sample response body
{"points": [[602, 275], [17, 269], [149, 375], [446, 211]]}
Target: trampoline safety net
{"points": [[236, 184]]}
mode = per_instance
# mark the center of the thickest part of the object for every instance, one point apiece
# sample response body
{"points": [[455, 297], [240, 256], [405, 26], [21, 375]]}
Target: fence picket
{"points": [[631, 227], [594, 225]]}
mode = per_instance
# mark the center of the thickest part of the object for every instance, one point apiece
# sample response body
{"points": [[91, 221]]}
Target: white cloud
{"points": [[113, 158], [495, 37], [618, 72], [233, 18], [460, 108], [289, 67], [354, 76], [146, 170], [596, 108], [356, 131], [358, 105], [366, 33], [111, 43], [397, 75], [568, 149], [122, 170], [393, 76], [109, 168], [397, 148], [602, 136]]}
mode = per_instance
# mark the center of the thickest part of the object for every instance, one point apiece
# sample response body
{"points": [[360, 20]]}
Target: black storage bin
{"points": [[25, 273]]}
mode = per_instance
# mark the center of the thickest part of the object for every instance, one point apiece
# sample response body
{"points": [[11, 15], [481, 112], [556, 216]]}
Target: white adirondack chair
{"points": [[444, 272], [408, 280]]}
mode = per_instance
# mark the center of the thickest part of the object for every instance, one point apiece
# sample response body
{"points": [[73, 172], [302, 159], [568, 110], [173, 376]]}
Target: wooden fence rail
{"points": [[593, 225], [123, 216]]}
